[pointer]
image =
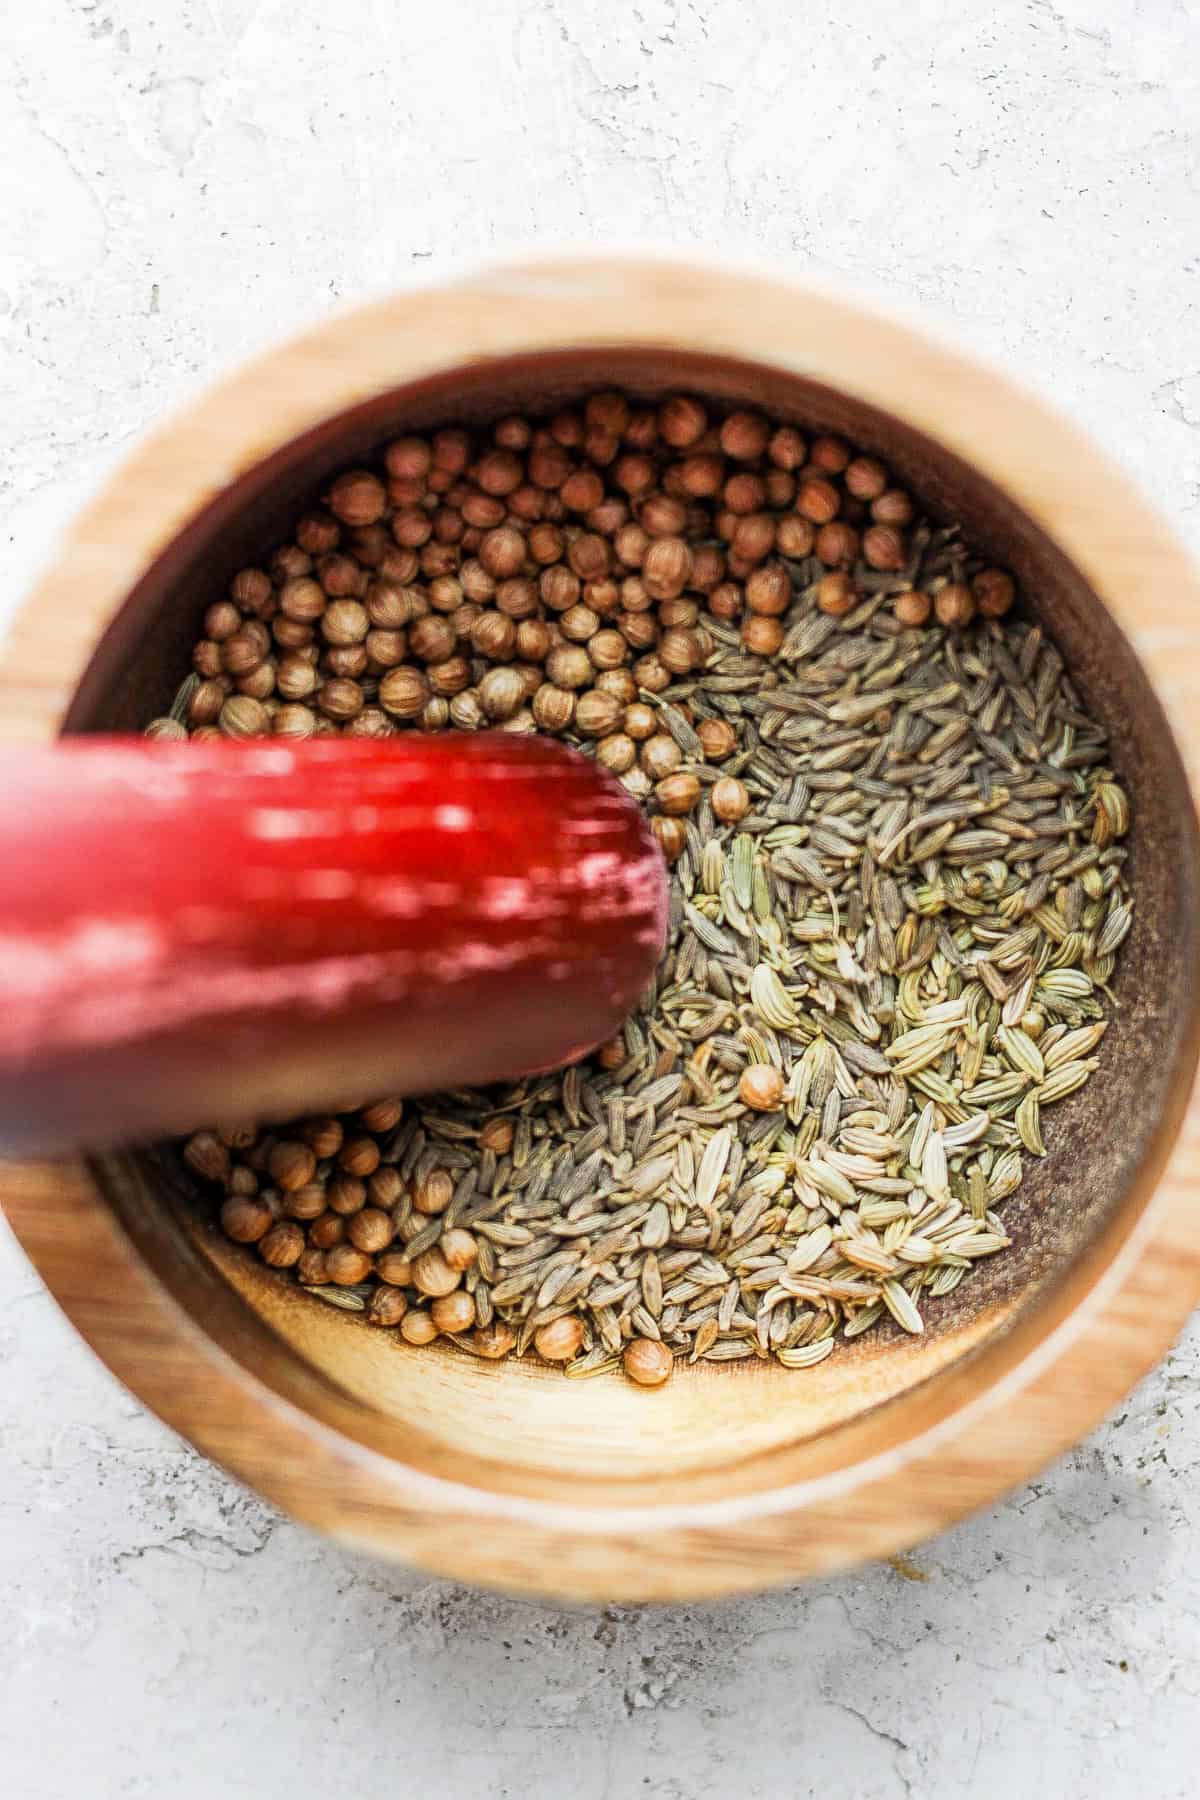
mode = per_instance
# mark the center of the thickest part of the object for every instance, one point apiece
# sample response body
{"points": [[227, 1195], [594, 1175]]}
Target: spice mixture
{"points": [[897, 886]]}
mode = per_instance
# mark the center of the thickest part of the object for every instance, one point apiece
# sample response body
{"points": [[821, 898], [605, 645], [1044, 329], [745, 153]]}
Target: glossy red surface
{"points": [[190, 931]]}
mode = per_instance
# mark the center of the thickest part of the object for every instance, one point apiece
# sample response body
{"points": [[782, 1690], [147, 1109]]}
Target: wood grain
{"points": [[727, 1479]]}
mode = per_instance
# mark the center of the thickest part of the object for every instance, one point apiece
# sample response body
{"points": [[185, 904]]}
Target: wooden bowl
{"points": [[731, 1477]]}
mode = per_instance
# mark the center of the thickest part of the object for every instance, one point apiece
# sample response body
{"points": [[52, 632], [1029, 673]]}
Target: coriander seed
{"points": [[730, 800], [416, 1327], [913, 609], [386, 1307], [493, 1342], [761, 1087], [677, 794], [453, 1312], [994, 592], [245, 1218], [954, 605], [282, 1246], [560, 1340], [647, 1362], [346, 1265]]}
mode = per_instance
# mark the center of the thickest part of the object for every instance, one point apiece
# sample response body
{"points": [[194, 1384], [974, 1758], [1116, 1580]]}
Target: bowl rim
{"points": [[978, 1427]]}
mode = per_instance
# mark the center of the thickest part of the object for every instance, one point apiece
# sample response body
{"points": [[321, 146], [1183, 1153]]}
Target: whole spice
{"points": [[560, 1340], [730, 800], [417, 1327], [954, 604], [761, 1087], [453, 1312], [647, 1362], [282, 1246], [387, 1306], [246, 1219], [898, 885]]}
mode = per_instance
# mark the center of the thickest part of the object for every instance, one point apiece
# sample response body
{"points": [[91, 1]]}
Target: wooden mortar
{"points": [[731, 1477]]}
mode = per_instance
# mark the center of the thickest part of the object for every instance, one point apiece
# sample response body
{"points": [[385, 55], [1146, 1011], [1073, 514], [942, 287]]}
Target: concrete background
{"points": [[182, 181]]}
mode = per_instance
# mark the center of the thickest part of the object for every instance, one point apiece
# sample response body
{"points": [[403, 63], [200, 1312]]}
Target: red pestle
{"points": [[248, 931]]}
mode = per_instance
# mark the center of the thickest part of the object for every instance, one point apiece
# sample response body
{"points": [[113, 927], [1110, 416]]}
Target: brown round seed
{"points": [[404, 693], [358, 498], [660, 756], [994, 592], [954, 605], [387, 1307], [679, 651], [597, 714], [245, 1218], [345, 622], [647, 1362], [453, 1312], [493, 1342], [370, 1230], [282, 1246], [382, 1116], [914, 608], [328, 1230], [745, 435], [494, 635], [894, 507], [769, 590], [718, 739], [340, 699], [250, 589], [291, 1164], [666, 568], [560, 1340], [569, 666], [460, 1248], [501, 693], [835, 594], [206, 1156], [206, 703], [311, 1269], [432, 639], [817, 500], [417, 1327], [434, 1194], [794, 537], [359, 1156], [295, 677], [837, 545], [323, 1136], [730, 800], [883, 546], [761, 1087], [243, 717], [612, 1054], [394, 1267], [865, 478], [306, 1203], [762, 637], [672, 841], [677, 794], [616, 753], [346, 1194], [347, 1266], [432, 1274], [497, 1135], [553, 707]]}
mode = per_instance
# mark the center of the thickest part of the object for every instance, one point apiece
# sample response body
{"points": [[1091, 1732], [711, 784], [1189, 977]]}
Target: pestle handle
{"points": [[248, 931]]}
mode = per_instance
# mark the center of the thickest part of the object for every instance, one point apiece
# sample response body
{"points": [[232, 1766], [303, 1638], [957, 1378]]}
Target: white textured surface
{"points": [[182, 181]]}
